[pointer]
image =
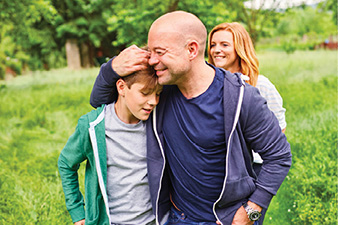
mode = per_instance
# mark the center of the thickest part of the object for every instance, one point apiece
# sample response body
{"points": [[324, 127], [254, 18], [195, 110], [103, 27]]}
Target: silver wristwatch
{"points": [[253, 214]]}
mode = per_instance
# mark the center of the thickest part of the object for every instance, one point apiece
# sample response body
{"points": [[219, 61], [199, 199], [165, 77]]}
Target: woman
{"points": [[230, 47]]}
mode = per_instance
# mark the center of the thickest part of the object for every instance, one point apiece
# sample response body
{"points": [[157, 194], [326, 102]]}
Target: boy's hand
{"points": [[81, 222], [130, 60]]}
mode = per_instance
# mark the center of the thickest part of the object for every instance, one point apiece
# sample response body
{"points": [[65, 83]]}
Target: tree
{"points": [[257, 15], [330, 5], [81, 26], [27, 26], [132, 19], [306, 21]]}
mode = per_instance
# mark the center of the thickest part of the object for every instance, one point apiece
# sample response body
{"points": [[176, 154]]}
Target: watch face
{"points": [[254, 216]]}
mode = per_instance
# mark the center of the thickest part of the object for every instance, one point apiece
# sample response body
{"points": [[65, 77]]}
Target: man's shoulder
{"points": [[234, 79]]}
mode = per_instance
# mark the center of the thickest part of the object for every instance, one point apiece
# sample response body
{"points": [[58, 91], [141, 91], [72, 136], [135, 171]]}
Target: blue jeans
{"points": [[179, 218]]}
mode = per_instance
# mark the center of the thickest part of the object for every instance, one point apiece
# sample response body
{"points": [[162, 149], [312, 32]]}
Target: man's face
{"points": [[168, 56]]}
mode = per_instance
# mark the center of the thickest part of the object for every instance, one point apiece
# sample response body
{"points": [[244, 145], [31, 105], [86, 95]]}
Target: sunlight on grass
{"points": [[39, 112]]}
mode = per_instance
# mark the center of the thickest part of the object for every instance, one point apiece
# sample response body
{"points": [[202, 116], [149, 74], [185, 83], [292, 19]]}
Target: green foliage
{"points": [[289, 44], [38, 114], [26, 32], [306, 21], [307, 81], [2, 66], [134, 18], [260, 21], [82, 20], [301, 29], [40, 111], [209, 12], [129, 24], [34, 32], [331, 6]]}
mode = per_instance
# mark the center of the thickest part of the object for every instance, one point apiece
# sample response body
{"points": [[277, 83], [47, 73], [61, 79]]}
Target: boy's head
{"points": [[138, 95]]}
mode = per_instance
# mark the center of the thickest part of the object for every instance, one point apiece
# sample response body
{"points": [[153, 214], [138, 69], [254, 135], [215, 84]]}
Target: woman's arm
{"points": [[273, 99]]}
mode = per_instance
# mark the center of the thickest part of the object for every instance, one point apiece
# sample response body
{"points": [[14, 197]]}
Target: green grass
{"points": [[38, 113], [307, 82]]}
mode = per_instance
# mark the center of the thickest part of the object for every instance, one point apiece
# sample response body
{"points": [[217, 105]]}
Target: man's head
{"points": [[138, 95], [176, 41]]}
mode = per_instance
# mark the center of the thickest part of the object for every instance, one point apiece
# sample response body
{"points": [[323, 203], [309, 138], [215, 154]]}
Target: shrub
{"points": [[289, 44]]}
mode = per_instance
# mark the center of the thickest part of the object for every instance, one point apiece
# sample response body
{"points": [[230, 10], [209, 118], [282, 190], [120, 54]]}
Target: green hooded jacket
{"points": [[86, 143]]}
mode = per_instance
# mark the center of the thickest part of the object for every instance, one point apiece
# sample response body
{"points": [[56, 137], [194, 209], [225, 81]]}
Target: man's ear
{"points": [[193, 48], [121, 86]]}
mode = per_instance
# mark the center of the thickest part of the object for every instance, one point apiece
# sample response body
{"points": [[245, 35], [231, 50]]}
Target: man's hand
{"points": [[241, 217], [81, 222], [130, 60]]}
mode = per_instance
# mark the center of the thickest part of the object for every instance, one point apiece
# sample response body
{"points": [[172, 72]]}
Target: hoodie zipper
{"points": [[239, 105], [93, 139], [162, 172]]}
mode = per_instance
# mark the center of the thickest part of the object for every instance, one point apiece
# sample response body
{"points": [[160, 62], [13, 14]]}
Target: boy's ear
{"points": [[121, 86]]}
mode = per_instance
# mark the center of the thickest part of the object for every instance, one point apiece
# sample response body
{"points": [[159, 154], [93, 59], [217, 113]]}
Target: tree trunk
{"points": [[173, 5], [85, 56], [73, 54]]}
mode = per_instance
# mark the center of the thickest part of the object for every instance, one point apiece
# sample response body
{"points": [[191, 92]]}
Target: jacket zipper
{"points": [[93, 139], [239, 105], [162, 172]]}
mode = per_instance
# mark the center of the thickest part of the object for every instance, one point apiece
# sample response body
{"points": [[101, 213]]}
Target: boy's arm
{"points": [[68, 163], [81, 222], [127, 62]]}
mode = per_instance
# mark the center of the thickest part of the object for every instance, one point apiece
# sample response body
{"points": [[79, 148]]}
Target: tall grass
{"points": [[307, 82], [38, 113]]}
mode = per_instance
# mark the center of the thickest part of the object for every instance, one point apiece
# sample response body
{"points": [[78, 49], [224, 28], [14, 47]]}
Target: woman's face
{"points": [[222, 51]]}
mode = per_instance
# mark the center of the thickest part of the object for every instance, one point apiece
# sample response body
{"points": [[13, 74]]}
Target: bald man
{"points": [[200, 136]]}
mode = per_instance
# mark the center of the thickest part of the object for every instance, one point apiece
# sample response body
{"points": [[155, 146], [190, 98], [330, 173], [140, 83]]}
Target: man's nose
{"points": [[153, 60]]}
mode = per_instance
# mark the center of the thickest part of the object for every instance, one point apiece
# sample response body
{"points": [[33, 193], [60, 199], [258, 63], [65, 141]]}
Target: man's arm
{"points": [[130, 60], [263, 134]]}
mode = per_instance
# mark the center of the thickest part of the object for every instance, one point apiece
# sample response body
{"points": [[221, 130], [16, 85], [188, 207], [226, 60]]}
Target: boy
{"points": [[113, 141]]}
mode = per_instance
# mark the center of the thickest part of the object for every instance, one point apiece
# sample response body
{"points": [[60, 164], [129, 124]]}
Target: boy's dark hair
{"points": [[148, 75]]}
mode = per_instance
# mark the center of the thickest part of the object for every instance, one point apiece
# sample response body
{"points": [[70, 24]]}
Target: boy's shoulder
{"points": [[91, 116]]}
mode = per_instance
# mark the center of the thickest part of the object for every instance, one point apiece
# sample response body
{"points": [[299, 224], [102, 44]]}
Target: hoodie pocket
{"points": [[236, 190]]}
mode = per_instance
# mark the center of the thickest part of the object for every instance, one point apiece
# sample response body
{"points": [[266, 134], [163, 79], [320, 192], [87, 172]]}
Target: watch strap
{"points": [[253, 214]]}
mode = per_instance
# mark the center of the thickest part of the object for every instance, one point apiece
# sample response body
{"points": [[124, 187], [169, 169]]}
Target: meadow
{"points": [[39, 111]]}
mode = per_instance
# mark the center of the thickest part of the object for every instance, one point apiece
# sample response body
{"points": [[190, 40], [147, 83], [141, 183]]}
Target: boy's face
{"points": [[140, 102]]}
